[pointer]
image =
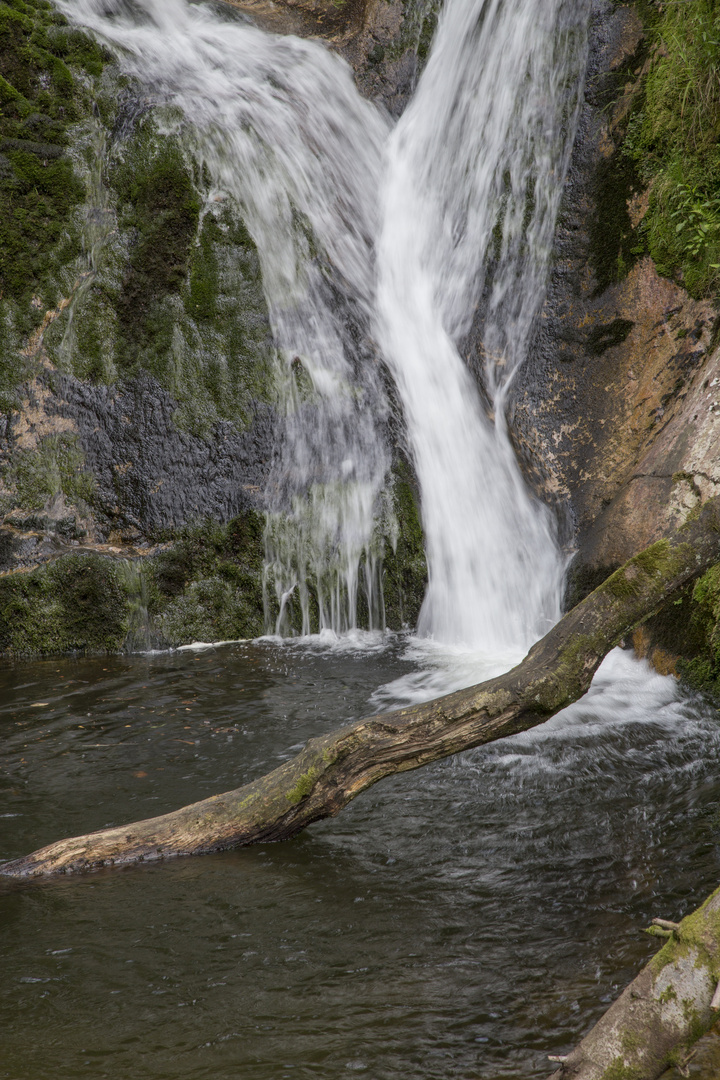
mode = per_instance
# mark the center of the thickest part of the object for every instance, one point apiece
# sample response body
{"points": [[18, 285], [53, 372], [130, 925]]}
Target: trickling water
{"points": [[470, 181], [282, 130], [140, 635]]}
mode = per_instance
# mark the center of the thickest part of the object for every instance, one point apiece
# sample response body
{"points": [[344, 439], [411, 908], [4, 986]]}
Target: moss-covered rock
{"points": [[76, 603], [45, 71], [162, 208], [700, 634], [404, 563], [55, 466], [208, 585], [170, 284], [116, 257], [683, 637]]}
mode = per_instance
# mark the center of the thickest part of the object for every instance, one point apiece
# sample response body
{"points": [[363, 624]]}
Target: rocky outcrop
{"points": [[151, 477], [619, 401], [384, 41]]}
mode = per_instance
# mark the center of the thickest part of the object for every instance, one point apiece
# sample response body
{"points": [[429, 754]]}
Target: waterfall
{"points": [[473, 180], [282, 131], [469, 182]]}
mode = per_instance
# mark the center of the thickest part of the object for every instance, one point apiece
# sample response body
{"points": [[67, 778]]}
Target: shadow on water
{"points": [[464, 921]]}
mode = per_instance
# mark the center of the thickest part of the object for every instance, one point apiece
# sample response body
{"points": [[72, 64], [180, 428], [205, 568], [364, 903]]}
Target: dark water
{"points": [[462, 921]]}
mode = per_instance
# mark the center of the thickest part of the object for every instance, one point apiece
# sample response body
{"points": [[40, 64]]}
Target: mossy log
{"points": [[663, 1012], [334, 768]]}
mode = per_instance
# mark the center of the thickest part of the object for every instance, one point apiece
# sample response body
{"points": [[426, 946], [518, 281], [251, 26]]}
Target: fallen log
{"points": [[334, 768], [655, 1022]]}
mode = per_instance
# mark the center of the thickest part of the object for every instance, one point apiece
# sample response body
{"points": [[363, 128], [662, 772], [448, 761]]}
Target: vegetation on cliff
{"points": [[77, 603], [110, 237], [206, 583], [45, 68], [672, 141]]}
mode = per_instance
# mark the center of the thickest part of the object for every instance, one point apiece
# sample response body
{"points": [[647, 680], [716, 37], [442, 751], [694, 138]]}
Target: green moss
{"points": [[75, 603], [205, 587], [699, 933], [211, 609], [621, 586], [304, 785], [161, 205], [44, 72], [672, 141], [40, 99], [427, 33], [176, 290], [404, 564], [700, 663], [56, 465], [161, 276], [562, 687], [415, 33], [208, 585], [227, 361], [658, 559], [619, 1070]]}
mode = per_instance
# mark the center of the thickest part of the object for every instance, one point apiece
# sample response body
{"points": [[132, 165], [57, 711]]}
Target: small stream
{"points": [[462, 921]]}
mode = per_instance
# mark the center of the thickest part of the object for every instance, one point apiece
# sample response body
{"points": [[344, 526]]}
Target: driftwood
{"points": [[334, 768], [661, 1014]]}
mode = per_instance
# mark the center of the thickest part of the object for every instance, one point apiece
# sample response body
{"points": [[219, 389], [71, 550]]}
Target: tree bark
{"points": [[656, 1020], [334, 768]]}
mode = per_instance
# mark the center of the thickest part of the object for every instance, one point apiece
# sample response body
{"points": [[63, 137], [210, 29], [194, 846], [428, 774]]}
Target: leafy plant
{"points": [[673, 141], [697, 218]]}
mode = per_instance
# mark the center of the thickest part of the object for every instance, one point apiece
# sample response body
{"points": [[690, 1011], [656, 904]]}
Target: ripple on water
{"points": [[466, 919]]}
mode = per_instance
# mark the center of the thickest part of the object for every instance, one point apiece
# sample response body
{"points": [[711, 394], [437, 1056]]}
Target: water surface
{"points": [[462, 921]]}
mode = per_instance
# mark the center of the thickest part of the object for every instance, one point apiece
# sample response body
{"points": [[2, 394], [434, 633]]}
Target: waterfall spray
{"points": [[282, 131]]}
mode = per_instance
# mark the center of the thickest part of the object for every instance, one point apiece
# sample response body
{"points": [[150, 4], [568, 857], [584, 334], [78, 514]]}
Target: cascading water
{"points": [[281, 129], [473, 181], [470, 181]]}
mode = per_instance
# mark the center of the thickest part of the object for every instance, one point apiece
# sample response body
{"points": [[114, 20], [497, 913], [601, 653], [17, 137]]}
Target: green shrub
{"points": [[673, 141]]}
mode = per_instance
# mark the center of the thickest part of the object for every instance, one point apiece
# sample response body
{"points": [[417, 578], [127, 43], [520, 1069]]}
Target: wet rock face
{"points": [[384, 41], [150, 476], [136, 364], [145, 476], [137, 368], [618, 402]]}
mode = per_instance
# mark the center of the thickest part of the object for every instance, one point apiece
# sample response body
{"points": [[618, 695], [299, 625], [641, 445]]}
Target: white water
{"points": [[282, 130], [469, 184], [491, 123]]}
